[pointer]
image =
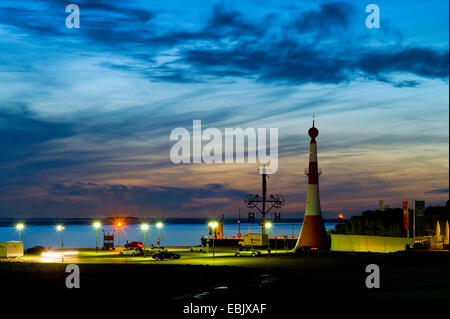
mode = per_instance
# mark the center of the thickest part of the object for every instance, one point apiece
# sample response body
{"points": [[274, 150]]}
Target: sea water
{"points": [[83, 236]]}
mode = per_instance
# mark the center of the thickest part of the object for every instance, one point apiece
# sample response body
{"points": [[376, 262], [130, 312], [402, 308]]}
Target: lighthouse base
{"points": [[313, 233]]}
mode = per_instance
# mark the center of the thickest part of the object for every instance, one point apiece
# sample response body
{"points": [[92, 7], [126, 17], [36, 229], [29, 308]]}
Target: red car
{"points": [[137, 244]]}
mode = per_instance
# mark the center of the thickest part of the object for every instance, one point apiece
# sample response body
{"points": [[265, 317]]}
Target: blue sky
{"points": [[86, 114]]}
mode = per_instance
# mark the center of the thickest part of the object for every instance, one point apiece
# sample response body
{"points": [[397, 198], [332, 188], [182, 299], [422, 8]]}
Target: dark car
{"points": [[36, 250], [136, 244], [306, 249], [160, 255]]}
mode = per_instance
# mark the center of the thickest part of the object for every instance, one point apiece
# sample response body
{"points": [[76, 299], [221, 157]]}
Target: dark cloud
{"points": [[420, 61], [264, 55], [22, 131], [37, 151], [438, 191], [329, 17], [406, 84], [169, 199], [319, 46], [290, 62]]}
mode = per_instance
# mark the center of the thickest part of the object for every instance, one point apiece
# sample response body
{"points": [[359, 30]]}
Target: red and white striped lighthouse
{"points": [[313, 232]]}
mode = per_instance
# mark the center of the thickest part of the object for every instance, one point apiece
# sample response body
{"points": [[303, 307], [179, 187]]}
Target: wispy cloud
{"points": [[438, 191]]}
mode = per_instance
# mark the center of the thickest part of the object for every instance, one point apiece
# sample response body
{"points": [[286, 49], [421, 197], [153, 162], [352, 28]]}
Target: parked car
{"points": [[160, 255], [147, 252], [306, 249], [199, 248], [36, 250], [154, 249], [247, 251], [132, 244], [132, 251]]}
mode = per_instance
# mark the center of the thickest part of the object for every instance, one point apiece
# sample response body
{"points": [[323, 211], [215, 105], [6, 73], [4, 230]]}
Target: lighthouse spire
{"points": [[313, 232]]}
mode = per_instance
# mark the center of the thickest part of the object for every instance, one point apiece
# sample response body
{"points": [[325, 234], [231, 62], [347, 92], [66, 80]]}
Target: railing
{"points": [[433, 239], [423, 239]]}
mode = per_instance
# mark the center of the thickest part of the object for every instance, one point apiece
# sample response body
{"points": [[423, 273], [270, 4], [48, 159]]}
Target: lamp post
{"points": [[144, 228], [60, 228], [19, 227], [159, 226], [268, 226], [119, 226], [213, 225], [96, 225]]}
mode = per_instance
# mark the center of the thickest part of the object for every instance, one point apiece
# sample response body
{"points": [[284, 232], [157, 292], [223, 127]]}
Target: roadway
{"points": [[222, 256]]}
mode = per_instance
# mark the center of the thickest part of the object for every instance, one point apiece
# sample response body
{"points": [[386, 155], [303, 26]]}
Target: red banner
{"points": [[405, 215]]}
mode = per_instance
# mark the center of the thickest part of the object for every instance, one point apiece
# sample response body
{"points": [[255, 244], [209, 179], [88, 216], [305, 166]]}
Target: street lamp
{"points": [[19, 227], [60, 228], [268, 226], [213, 225], [144, 228], [119, 226], [159, 226], [96, 225]]}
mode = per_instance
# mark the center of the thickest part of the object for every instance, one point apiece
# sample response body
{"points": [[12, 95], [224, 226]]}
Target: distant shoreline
{"points": [[8, 222]]}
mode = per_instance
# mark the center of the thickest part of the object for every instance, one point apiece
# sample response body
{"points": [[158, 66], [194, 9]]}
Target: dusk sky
{"points": [[86, 113]]}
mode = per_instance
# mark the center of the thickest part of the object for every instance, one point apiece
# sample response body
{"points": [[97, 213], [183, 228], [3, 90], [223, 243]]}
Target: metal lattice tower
{"points": [[254, 201]]}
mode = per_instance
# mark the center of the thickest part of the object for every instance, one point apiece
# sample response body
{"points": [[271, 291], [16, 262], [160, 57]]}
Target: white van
{"points": [[11, 249]]}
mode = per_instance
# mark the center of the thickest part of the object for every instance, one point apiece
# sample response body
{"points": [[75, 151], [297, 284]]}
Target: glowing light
{"points": [[268, 225], [97, 225], [213, 224], [20, 226], [60, 228], [119, 224], [340, 216], [159, 225], [53, 256], [48, 260], [144, 227], [59, 254]]}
